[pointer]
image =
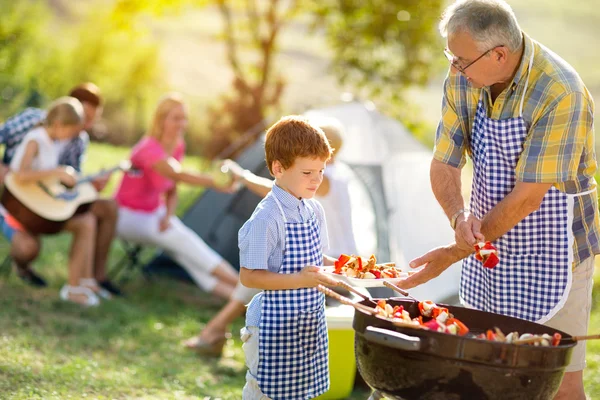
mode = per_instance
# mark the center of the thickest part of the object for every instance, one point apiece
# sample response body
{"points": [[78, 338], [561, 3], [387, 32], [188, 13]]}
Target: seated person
{"points": [[25, 247], [147, 200], [334, 196], [36, 158]]}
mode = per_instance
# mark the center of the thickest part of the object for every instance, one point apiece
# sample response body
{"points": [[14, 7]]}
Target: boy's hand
{"points": [[312, 276], [68, 176]]}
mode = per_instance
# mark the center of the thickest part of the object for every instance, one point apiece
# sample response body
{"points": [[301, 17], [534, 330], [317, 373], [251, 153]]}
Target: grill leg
{"points": [[376, 396]]}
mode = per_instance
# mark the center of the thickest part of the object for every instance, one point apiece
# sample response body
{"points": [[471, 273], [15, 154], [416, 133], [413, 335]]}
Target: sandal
{"points": [[91, 299], [213, 349], [92, 284]]}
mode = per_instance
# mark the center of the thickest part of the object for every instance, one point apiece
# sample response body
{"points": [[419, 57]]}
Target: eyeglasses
{"points": [[451, 58]]}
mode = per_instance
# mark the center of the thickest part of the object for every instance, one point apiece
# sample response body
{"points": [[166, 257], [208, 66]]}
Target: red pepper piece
{"points": [[491, 261], [376, 273], [490, 335], [360, 266], [398, 309], [437, 311], [556, 339], [462, 328], [341, 261], [426, 313], [489, 246]]}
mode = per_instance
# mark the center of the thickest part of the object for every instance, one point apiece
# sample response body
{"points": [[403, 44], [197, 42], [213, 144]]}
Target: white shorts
{"points": [[251, 389], [574, 317]]}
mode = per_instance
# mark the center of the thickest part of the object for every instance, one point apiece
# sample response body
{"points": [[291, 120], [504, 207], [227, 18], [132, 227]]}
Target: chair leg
{"points": [[128, 263]]}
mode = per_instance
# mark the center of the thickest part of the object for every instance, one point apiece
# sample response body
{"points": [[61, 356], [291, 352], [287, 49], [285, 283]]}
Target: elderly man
{"points": [[24, 246], [525, 118]]}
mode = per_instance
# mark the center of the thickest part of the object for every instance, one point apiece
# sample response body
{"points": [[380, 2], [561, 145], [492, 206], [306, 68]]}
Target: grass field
{"points": [[129, 348]]}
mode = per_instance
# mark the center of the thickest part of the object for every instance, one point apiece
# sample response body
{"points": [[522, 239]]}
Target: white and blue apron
{"points": [[293, 345], [533, 278]]}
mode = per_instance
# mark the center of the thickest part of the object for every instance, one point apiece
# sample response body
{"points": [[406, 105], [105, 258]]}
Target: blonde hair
{"points": [[65, 111], [292, 137], [164, 107], [334, 131]]}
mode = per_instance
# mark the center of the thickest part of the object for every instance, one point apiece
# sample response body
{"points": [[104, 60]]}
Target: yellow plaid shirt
{"points": [[559, 147]]}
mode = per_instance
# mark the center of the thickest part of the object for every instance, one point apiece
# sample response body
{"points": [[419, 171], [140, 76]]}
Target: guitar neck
{"points": [[90, 178]]}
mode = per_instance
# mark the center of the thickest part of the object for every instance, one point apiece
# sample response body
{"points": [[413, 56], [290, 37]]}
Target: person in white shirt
{"points": [[334, 196]]}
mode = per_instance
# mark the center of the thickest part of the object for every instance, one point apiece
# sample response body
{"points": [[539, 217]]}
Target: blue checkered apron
{"points": [[293, 342], [533, 277]]}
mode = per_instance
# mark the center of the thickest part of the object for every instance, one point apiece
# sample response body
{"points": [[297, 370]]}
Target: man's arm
{"points": [[446, 186], [524, 199]]}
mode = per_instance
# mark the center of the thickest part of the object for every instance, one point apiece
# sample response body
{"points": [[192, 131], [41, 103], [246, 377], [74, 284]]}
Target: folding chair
{"points": [[130, 261]]}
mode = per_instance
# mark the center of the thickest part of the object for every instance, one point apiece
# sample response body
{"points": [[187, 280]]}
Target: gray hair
{"points": [[489, 22]]}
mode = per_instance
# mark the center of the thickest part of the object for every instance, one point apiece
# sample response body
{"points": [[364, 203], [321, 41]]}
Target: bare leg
{"points": [[83, 228], [219, 324], [212, 339], [24, 248], [226, 273], [571, 387], [223, 290], [106, 212]]}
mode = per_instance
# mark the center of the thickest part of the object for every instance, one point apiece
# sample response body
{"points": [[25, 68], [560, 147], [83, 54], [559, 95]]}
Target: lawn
{"points": [[128, 348]]}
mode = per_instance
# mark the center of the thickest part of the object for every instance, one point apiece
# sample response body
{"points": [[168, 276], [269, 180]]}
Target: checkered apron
{"points": [[293, 342], [533, 278]]}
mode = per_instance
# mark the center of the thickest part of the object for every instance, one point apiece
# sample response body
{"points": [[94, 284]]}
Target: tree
{"points": [[382, 46], [251, 29]]}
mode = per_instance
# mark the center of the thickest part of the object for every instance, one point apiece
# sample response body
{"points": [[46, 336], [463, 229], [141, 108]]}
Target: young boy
{"points": [[281, 245]]}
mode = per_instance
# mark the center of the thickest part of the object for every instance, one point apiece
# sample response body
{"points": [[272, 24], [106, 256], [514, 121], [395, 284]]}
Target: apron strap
{"points": [[280, 209]]}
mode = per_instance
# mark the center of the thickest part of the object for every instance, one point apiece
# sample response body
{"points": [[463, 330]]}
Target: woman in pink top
{"points": [[147, 201]]}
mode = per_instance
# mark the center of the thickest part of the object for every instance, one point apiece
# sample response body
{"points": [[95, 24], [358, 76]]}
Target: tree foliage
{"points": [[251, 29], [383, 46]]}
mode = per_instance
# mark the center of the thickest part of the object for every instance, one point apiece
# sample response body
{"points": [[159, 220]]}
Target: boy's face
{"points": [[302, 179]]}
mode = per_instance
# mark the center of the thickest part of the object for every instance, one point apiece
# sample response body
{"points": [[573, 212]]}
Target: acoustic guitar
{"points": [[43, 207]]}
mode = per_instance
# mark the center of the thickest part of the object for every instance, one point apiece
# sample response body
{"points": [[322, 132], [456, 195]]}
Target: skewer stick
{"points": [[345, 300], [397, 289], [586, 337], [356, 292], [529, 340]]}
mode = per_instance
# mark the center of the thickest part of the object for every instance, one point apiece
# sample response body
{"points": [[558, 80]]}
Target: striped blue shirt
{"points": [[262, 238]]}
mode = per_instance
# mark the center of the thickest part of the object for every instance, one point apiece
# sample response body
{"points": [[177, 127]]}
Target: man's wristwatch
{"points": [[456, 215]]}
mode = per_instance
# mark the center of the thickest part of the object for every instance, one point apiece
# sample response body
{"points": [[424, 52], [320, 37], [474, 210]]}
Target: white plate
{"points": [[366, 283]]}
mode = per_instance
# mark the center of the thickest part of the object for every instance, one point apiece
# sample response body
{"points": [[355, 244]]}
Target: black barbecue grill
{"points": [[411, 364]]}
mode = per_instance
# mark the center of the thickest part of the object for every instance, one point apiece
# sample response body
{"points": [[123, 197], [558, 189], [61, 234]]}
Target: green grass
{"points": [[130, 348], [126, 348]]}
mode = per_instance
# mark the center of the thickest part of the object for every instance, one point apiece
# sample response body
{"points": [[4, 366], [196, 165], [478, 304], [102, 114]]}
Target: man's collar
{"points": [[524, 66], [287, 199]]}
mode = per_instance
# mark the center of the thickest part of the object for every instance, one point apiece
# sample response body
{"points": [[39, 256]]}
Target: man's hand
{"points": [[435, 262], [312, 276], [468, 231]]}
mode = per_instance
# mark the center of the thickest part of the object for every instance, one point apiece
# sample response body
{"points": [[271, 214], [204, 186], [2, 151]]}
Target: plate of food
{"points": [[364, 272]]}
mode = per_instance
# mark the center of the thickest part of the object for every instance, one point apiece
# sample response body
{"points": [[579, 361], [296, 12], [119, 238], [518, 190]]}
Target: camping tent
{"points": [[396, 215]]}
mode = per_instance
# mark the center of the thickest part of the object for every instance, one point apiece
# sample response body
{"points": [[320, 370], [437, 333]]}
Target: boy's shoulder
{"points": [[266, 209]]}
